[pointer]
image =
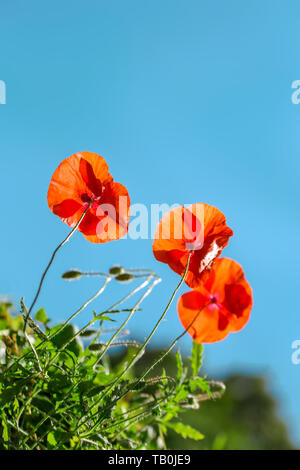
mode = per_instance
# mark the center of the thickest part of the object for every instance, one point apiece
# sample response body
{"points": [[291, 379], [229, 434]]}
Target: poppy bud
{"points": [[124, 277], [116, 270], [95, 347], [87, 333], [72, 275]]}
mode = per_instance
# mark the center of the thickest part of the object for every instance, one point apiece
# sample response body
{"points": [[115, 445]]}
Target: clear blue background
{"points": [[189, 101]]}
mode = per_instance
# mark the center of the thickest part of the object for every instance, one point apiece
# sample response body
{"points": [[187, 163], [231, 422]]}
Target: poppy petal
{"points": [[202, 224], [99, 166], [236, 299], [67, 208], [67, 181], [192, 229], [89, 223], [88, 175], [113, 214], [223, 322], [169, 239], [231, 305], [205, 323]]}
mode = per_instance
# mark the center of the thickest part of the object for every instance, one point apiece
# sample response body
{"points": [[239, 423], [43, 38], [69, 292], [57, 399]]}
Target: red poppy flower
{"points": [[220, 305], [83, 180], [200, 230]]}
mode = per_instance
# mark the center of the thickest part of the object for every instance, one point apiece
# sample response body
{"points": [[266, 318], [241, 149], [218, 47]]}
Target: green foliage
{"points": [[186, 430], [41, 316], [61, 388], [197, 356]]}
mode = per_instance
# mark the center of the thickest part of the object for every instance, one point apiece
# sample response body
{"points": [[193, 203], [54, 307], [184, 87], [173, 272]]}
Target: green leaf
{"points": [[196, 359], [5, 435], [51, 439], [102, 317], [16, 406], [65, 336], [102, 378], [41, 315], [181, 370], [179, 365], [181, 394], [200, 382], [185, 431]]}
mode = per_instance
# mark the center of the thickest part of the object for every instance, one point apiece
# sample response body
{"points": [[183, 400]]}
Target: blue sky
{"points": [[188, 102]]}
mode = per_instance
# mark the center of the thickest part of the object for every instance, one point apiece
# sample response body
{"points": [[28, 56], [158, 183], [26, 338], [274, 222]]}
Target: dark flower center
{"points": [[89, 198]]}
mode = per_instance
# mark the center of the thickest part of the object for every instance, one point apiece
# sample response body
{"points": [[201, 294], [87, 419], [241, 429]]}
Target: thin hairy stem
{"points": [[107, 280], [132, 311], [146, 293], [160, 358], [141, 350], [83, 306], [50, 262]]}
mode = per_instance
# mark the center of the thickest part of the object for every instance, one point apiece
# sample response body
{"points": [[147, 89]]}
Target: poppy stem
{"points": [[141, 350], [50, 262], [163, 355], [132, 311]]}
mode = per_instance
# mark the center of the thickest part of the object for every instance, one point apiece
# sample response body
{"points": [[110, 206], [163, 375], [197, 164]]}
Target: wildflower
{"points": [[82, 183], [219, 305], [199, 230]]}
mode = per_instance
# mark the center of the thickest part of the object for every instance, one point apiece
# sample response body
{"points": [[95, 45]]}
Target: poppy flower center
{"points": [[214, 300], [89, 198], [195, 244]]}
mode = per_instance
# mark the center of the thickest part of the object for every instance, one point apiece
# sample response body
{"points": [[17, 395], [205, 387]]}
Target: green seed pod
{"points": [[72, 274], [124, 277], [116, 270]]}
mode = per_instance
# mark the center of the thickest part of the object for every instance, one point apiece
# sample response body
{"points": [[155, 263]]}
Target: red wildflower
{"points": [[83, 180], [200, 229], [220, 305]]}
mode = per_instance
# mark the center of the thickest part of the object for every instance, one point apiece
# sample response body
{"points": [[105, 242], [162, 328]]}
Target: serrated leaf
{"points": [[181, 394], [186, 431], [200, 382], [196, 359]]}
